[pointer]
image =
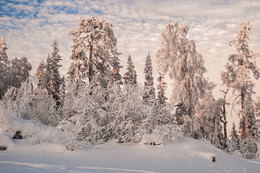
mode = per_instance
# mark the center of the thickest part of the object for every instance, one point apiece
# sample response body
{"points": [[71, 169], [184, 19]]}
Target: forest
{"points": [[95, 103]]}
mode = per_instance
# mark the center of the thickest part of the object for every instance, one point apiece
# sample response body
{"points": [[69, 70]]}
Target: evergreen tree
{"points": [[40, 70], [3, 48], [130, 77], [251, 119], [239, 72], [149, 91], [3, 68], [161, 87], [51, 79], [12, 73], [178, 57], [209, 118], [116, 76], [78, 68], [233, 144]]}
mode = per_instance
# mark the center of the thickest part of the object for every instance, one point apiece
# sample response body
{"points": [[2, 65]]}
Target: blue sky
{"points": [[31, 26]]}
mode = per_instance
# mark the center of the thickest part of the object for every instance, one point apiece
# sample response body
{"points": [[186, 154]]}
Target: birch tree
{"points": [[178, 58]]}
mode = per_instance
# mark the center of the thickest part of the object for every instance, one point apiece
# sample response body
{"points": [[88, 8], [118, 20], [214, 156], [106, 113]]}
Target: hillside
{"points": [[46, 153]]}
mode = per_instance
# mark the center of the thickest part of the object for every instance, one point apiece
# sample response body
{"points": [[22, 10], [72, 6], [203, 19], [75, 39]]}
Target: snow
{"points": [[188, 155], [34, 154]]}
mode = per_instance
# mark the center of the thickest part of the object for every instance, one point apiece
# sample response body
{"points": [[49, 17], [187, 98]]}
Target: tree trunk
{"points": [[191, 108], [91, 72], [243, 133], [225, 117]]}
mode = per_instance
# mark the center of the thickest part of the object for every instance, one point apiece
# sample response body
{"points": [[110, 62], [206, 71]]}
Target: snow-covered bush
{"points": [[162, 134], [34, 132], [248, 148], [114, 113], [29, 102]]}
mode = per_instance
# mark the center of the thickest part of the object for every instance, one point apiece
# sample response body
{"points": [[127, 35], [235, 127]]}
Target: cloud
{"points": [[30, 28]]}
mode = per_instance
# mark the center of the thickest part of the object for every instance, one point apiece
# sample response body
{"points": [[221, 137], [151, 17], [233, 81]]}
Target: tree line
{"points": [[95, 103]]}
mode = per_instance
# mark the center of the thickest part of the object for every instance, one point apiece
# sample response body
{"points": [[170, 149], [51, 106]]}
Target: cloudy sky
{"points": [[31, 26]]}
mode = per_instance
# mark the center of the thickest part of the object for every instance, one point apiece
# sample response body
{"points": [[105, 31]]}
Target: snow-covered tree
{"points": [[248, 147], [19, 71], [94, 38], [130, 77], [3, 68], [149, 90], [40, 70], [209, 118], [233, 143], [161, 87], [178, 57], [116, 76], [78, 68], [12, 73], [31, 102], [51, 79], [3, 48], [251, 119], [223, 112], [240, 70]]}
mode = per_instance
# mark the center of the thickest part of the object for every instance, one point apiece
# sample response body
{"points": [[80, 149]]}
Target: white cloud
{"points": [[137, 25]]}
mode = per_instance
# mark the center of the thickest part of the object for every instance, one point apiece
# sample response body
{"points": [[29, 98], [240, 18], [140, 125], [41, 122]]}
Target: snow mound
{"points": [[33, 131]]}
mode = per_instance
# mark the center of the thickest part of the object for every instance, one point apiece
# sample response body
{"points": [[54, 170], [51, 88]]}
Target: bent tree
{"points": [[178, 57]]}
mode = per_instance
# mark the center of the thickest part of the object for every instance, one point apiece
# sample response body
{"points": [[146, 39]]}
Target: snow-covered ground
{"points": [[43, 151], [188, 155]]}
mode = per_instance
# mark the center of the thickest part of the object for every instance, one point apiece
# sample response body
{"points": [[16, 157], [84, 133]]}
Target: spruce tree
{"points": [[3, 48], [116, 76], [149, 91], [233, 144], [3, 68], [240, 70], [130, 77], [51, 79], [40, 70], [161, 87]]}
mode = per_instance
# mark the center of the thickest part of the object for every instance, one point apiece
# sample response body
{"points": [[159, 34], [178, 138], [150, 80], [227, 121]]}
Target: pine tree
{"points": [[178, 57], [130, 77], [149, 91], [239, 72], [94, 37]]}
